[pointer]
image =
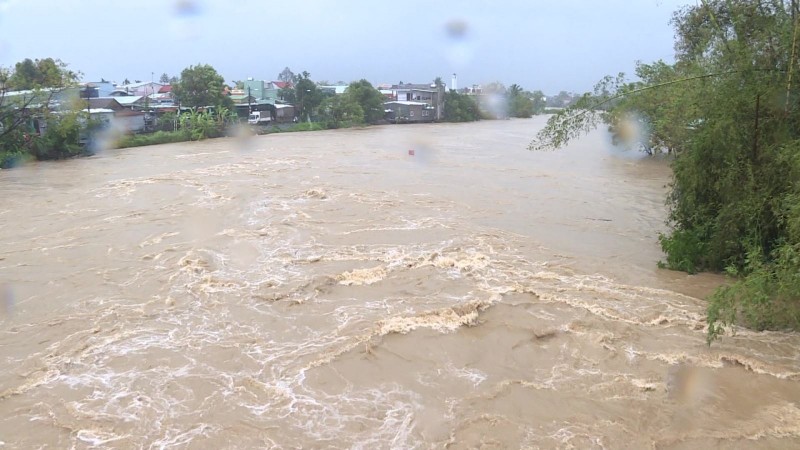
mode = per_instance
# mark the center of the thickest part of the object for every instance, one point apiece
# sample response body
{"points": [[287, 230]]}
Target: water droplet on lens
{"points": [[7, 300], [187, 8], [184, 24], [456, 28], [458, 50]]}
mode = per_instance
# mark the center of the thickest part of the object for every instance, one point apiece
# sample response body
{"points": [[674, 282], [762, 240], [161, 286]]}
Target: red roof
{"points": [[165, 89], [282, 84]]}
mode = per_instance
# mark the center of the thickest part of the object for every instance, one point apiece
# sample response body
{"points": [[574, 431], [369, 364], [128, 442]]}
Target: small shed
{"points": [[408, 112]]}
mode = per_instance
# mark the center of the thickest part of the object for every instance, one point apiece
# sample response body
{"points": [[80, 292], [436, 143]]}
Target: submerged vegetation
{"points": [[727, 110]]}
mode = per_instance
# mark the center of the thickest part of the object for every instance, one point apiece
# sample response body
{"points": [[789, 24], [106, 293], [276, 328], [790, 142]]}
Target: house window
{"points": [[411, 113]]}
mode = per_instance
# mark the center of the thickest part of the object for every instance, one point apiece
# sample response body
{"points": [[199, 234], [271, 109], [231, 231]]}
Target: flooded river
{"points": [[330, 290]]}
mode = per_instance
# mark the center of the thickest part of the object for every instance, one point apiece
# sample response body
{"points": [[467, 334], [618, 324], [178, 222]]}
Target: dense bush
{"points": [[159, 137], [460, 108]]}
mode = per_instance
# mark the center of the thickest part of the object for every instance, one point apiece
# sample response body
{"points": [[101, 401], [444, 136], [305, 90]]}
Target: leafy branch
{"points": [[582, 117]]}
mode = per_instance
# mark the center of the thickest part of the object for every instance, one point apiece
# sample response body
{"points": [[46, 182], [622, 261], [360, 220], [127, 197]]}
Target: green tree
{"points": [[562, 100], [307, 96], [369, 99], [519, 103], [286, 75], [341, 111], [164, 79], [727, 110], [41, 73], [201, 85], [460, 108], [539, 101], [287, 94]]}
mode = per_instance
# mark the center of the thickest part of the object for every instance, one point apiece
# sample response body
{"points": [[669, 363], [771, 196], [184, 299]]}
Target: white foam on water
{"points": [[188, 337]]}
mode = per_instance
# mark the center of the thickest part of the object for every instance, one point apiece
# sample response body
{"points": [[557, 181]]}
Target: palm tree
{"points": [[514, 90]]}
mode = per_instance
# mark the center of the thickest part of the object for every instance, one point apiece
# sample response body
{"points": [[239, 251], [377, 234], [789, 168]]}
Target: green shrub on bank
{"points": [[305, 126], [13, 157], [765, 297], [159, 137]]}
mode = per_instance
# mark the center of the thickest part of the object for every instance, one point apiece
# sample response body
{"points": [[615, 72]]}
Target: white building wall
{"points": [[129, 123]]}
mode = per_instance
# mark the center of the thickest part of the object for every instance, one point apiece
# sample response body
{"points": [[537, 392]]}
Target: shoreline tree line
{"points": [[67, 129]]}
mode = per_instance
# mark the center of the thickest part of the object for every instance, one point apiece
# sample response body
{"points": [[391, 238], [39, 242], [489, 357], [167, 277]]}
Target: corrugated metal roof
{"points": [[104, 103], [128, 100], [137, 85]]}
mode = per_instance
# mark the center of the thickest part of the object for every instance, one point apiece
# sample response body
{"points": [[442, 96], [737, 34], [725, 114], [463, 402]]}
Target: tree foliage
{"points": [[520, 103], [341, 111], [539, 101], [460, 108], [369, 99], [200, 86], [41, 73], [307, 96], [728, 110], [44, 79], [286, 75]]}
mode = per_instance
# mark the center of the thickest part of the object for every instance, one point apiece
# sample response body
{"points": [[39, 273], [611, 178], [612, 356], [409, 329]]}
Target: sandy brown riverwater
{"points": [[328, 290]]}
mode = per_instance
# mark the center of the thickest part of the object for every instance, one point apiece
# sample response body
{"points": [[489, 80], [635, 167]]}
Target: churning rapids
{"points": [[330, 290]]}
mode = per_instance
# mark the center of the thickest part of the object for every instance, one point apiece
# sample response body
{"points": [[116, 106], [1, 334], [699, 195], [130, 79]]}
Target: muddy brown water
{"points": [[328, 290]]}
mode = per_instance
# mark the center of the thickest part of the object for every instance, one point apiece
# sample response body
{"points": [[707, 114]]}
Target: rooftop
{"points": [[421, 87], [137, 85], [127, 100], [406, 103]]}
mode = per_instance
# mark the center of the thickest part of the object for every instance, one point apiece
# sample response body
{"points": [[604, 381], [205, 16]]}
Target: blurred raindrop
{"points": [[631, 132], [420, 151], [106, 139], [456, 28], [184, 24], [689, 385], [245, 137], [458, 49], [187, 8], [7, 301], [497, 105]]}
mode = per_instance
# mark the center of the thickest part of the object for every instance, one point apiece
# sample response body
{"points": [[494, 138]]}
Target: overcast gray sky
{"points": [[550, 45]]}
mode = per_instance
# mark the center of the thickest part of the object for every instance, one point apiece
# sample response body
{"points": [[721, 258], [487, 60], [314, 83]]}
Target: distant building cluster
{"points": [[133, 107]]}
